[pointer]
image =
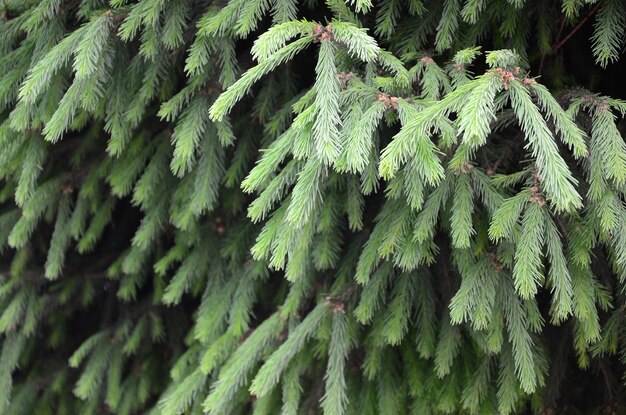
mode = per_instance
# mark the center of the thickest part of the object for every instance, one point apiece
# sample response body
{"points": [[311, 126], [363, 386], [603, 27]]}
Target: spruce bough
{"points": [[282, 207]]}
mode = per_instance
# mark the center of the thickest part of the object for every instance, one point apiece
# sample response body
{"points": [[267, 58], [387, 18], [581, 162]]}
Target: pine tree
{"points": [[317, 207]]}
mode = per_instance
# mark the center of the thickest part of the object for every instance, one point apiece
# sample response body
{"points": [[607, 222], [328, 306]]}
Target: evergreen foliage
{"points": [[283, 207]]}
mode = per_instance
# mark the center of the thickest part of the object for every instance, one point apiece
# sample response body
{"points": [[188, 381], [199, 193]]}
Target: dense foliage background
{"points": [[282, 207]]}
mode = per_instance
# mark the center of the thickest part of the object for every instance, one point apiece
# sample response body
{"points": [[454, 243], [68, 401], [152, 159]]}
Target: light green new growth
{"points": [[323, 207]]}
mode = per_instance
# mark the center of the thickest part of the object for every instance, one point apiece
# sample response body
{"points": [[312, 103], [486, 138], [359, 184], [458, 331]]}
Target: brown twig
{"points": [[575, 29], [560, 44], [558, 36], [608, 381], [561, 27]]}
